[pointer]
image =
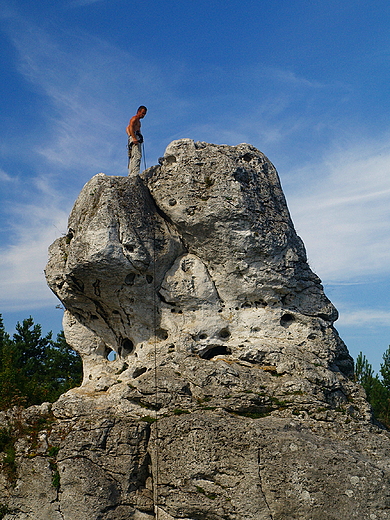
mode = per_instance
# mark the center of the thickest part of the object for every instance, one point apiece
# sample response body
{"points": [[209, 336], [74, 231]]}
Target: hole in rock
{"points": [[129, 248], [115, 312], [224, 333], [69, 235], [149, 278], [286, 320], [247, 157], [162, 333], [170, 159], [203, 336], [246, 305], [109, 354], [219, 350], [127, 346], [129, 280], [324, 317], [241, 175], [312, 336], [164, 300], [172, 202], [94, 317], [139, 371]]}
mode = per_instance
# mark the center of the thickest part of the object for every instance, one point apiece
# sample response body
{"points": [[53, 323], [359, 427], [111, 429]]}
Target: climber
{"points": [[135, 140]]}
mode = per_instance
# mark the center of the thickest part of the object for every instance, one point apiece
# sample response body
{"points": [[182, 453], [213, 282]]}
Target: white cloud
{"points": [[5, 177], [364, 317], [340, 204], [92, 88], [87, 84], [32, 228], [341, 209], [291, 78]]}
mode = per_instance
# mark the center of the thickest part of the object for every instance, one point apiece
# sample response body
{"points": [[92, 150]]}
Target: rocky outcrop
{"points": [[215, 384]]}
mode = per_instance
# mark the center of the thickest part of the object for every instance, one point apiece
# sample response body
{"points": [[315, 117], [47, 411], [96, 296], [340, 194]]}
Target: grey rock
{"points": [[231, 395]]}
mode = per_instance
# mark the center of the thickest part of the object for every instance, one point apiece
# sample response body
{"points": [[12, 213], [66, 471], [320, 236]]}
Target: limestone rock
{"points": [[215, 384], [210, 263]]}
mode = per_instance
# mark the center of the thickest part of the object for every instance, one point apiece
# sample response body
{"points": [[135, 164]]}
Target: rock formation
{"points": [[215, 384]]}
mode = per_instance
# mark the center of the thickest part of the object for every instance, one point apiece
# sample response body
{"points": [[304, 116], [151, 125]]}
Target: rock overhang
{"points": [[200, 244]]}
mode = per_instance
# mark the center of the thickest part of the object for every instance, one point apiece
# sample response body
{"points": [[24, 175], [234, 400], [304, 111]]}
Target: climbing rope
{"points": [[143, 154], [156, 480]]}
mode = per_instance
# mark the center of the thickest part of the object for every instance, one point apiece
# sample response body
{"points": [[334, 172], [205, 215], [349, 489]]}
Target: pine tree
{"points": [[34, 368], [10, 377], [31, 346], [63, 367], [377, 391], [385, 369]]}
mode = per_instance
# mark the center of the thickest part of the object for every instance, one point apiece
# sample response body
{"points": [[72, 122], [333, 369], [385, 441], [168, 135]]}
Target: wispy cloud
{"points": [[92, 88], [5, 177], [364, 317], [340, 203], [344, 213], [34, 227], [291, 78], [88, 85]]}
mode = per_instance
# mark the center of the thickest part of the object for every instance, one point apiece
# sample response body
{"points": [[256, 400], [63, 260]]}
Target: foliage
{"points": [[3, 510], [35, 368], [377, 390]]}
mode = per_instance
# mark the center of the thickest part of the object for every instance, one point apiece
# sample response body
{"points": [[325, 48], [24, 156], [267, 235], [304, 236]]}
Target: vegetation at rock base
{"points": [[35, 368], [377, 387]]}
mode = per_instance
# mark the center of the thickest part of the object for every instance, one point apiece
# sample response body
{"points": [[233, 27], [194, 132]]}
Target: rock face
{"points": [[215, 384]]}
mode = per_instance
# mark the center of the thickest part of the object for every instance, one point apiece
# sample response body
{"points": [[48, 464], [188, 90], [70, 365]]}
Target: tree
{"points": [[32, 348], [385, 369], [34, 368], [63, 367], [377, 391], [364, 373], [10, 380]]}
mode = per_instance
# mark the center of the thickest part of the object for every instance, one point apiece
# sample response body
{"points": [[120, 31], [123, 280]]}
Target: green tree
{"points": [[10, 377], [385, 369], [377, 390], [63, 367], [31, 346], [35, 368], [364, 373]]}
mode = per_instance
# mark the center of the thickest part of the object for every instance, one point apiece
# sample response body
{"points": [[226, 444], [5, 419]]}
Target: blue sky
{"points": [[305, 82]]}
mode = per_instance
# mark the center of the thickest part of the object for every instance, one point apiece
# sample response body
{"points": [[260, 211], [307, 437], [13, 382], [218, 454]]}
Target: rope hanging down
{"points": [[143, 155], [156, 479]]}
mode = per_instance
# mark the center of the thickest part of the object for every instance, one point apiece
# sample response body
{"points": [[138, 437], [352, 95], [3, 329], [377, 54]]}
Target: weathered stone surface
{"points": [[230, 395]]}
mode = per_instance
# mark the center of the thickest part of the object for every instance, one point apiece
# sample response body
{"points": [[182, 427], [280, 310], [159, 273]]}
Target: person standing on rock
{"points": [[135, 140]]}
